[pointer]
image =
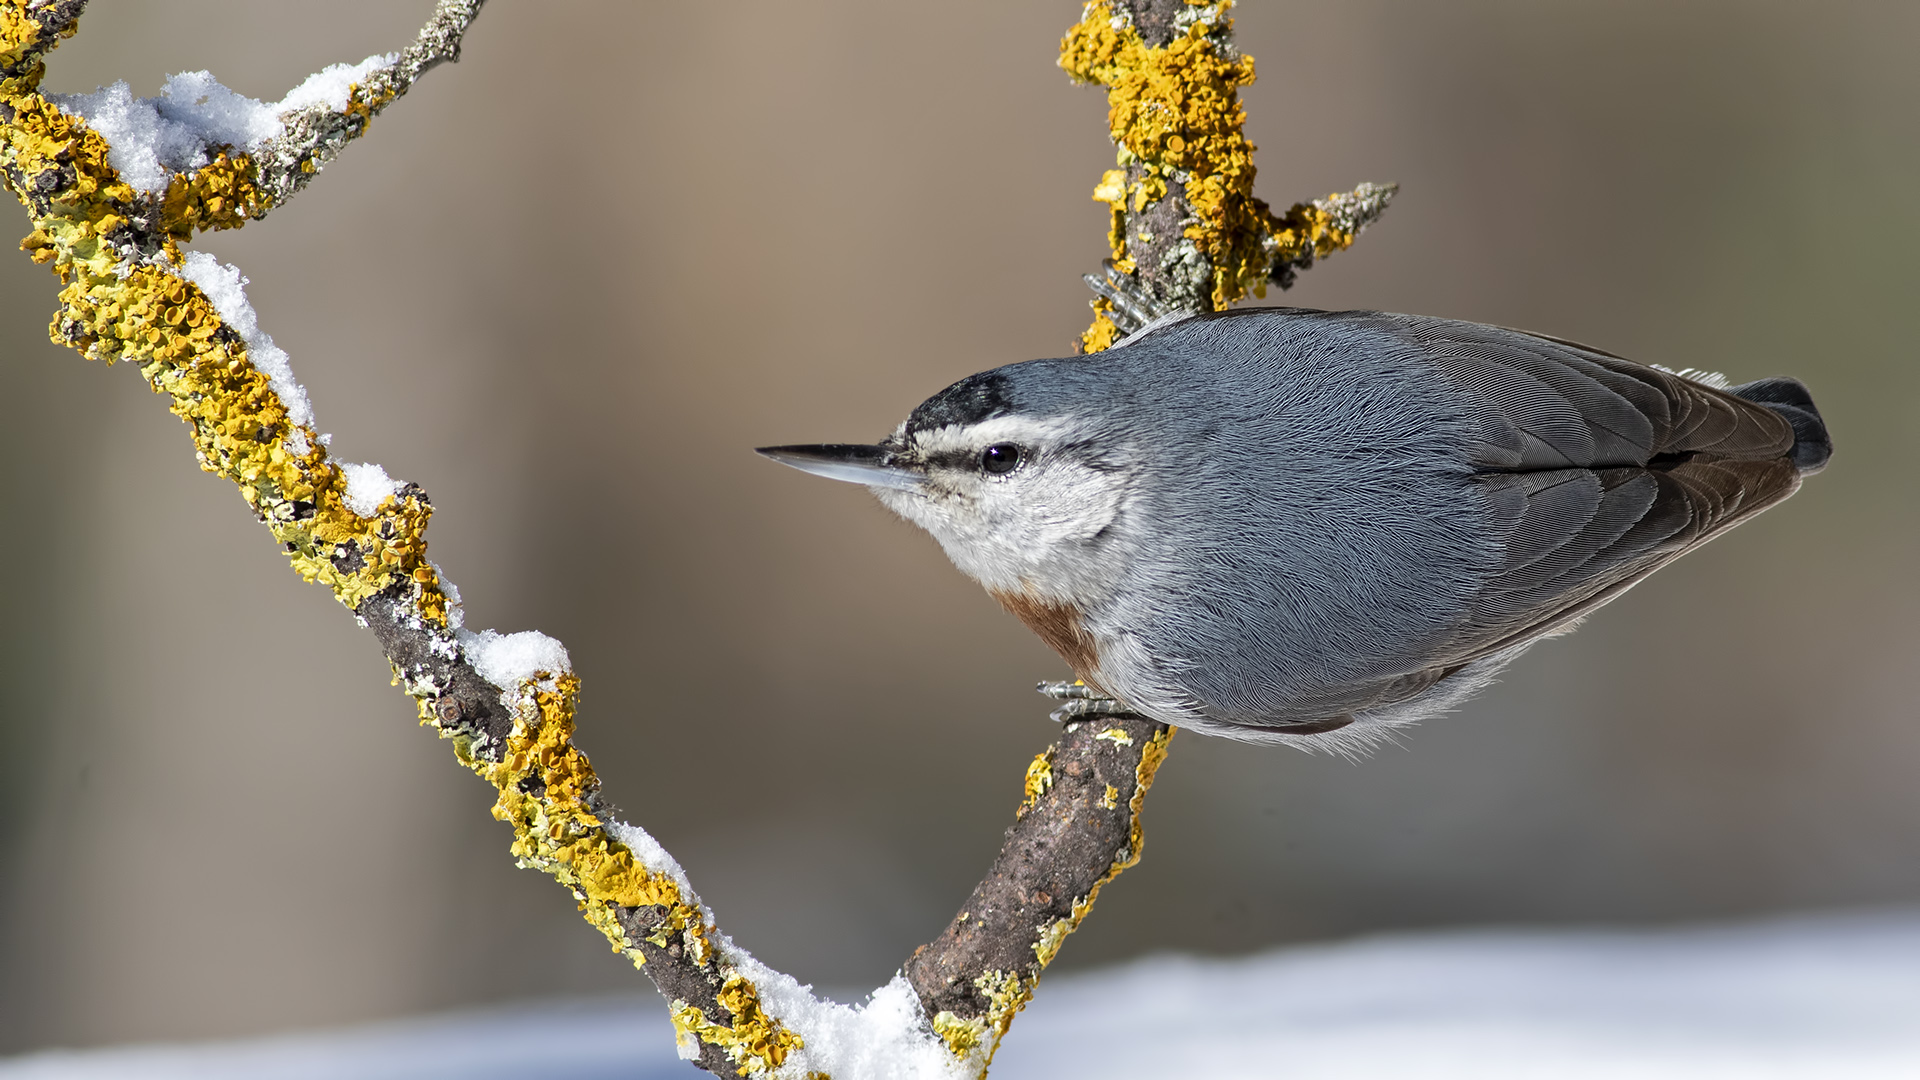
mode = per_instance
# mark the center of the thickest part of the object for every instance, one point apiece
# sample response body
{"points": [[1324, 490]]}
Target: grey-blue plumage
{"points": [[1293, 525]]}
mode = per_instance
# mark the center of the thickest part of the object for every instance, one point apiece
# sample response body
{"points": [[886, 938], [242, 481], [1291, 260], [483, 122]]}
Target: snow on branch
{"points": [[115, 184], [199, 156]]}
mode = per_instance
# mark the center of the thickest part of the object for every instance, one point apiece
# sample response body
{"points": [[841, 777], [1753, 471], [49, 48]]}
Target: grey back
{"points": [[1341, 510]]}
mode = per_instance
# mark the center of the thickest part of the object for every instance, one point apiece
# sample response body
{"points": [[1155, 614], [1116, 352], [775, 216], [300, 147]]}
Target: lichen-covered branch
{"points": [[1185, 225], [315, 134], [132, 295], [1077, 828], [251, 156]]}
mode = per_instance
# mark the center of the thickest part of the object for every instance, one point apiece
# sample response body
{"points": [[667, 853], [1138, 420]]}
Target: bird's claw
{"points": [[1081, 701], [1133, 306]]}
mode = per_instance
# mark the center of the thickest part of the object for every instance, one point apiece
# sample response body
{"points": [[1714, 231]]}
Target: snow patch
{"points": [[507, 660], [332, 86], [367, 487], [227, 291], [884, 1038], [651, 856], [1829, 997], [149, 139]]}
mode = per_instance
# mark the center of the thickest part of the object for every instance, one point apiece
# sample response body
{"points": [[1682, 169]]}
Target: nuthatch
{"points": [[1285, 525]]}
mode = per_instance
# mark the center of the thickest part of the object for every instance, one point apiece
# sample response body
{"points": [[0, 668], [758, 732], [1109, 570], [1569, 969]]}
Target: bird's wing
{"points": [[1596, 471]]}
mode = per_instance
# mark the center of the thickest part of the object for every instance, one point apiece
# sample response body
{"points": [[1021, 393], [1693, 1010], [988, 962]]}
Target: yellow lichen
{"points": [[1151, 755], [963, 1037], [1175, 114], [142, 310], [1007, 992], [755, 1042], [22, 36], [150, 316], [1039, 779], [545, 783], [1103, 333], [220, 195]]}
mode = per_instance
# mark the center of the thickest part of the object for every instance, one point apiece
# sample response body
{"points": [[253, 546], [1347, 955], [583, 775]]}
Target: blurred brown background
{"points": [[567, 284]]}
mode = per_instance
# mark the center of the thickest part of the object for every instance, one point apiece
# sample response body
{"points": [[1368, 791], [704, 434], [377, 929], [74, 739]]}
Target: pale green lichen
{"points": [[963, 1037], [1006, 995]]}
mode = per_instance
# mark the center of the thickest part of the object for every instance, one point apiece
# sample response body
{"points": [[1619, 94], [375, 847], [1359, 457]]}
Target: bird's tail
{"points": [[1789, 398]]}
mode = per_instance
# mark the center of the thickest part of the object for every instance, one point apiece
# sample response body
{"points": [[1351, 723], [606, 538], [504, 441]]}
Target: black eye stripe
{"points": [[953, 459]]}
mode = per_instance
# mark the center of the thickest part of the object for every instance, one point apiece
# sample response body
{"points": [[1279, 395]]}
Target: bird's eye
{"points": [[1000, 458]]}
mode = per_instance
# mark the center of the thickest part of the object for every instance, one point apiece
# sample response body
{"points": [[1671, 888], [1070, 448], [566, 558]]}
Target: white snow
{"points": [[333, 85], [1832, 997], [367, 487], [456, 614], [151, 138], [879, 1039], [648, 852], [507, 660], [227, 291]]}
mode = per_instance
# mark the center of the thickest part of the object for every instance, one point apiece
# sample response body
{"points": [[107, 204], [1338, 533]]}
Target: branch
{"points": [[315, 134], [201, 157], [27, 33], [1077, 828], [1186, 229], [506, 702]]}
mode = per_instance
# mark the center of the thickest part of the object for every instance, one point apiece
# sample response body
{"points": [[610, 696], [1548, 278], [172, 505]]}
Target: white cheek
{"points": [[1027, 533], [963, 532], [1059, 510]]}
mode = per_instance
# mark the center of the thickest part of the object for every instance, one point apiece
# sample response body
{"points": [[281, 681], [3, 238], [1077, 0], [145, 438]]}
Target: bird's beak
{"points": [[872, 466]]}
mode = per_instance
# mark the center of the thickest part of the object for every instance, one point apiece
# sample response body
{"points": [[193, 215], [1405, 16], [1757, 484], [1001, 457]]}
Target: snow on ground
{"points": [[1835, 997]]}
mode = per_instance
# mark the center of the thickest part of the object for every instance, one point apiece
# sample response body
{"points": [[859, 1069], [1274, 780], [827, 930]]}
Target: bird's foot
{"points": [[1134, 308], [1082, 701]]}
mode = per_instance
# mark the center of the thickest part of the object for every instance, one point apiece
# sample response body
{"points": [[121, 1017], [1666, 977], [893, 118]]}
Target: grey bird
{"points": [[1313, 527]]}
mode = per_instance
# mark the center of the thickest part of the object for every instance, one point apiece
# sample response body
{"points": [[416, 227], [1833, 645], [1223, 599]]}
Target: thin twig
{"points": [[315, 135]]}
